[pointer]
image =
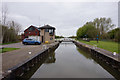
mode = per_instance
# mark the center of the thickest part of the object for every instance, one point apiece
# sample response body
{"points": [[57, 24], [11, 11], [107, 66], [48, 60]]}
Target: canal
{"points": [[68, 61]]}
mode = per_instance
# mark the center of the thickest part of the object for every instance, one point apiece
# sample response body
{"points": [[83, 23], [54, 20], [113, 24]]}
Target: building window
{"points": [[26, 32], [46, 30], [36, 32], [51, 38], [51, 31]]}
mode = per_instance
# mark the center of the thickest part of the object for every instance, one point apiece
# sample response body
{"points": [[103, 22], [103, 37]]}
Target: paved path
{"points": [[13, 58], [17, 45], [0, 66]]}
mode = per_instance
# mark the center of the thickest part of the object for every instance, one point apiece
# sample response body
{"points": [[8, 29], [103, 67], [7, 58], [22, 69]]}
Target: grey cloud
{"points": [[65, 16]]}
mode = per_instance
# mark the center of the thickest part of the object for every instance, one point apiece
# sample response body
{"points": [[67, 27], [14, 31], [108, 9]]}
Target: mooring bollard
{"points": [[114, 53], [44, 47], [29, 52]]}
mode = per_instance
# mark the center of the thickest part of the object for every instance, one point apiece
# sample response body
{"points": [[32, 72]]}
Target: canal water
{"points": [[68, 61]]}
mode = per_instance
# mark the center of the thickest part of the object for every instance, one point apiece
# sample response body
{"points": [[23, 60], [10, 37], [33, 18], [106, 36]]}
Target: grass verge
{"points": [[107, 45], [7, 49]]}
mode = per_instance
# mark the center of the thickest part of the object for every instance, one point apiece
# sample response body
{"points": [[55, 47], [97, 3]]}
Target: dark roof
{"points": [[32, 26], [46, 27]]}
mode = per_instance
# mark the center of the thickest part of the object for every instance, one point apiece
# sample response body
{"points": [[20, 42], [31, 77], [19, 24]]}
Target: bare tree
{"points": [[103, 25], [4, 14], [10, 29], [3, 20], [1, 38], [15, 25]]}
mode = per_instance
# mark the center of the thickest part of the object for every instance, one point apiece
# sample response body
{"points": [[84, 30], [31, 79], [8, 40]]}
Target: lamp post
{"points": [[97, 38], [85, 37]]}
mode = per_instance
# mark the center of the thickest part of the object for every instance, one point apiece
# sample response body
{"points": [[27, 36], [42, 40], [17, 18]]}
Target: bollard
{"points": [[44, 47], [114, 53], [30, 52]]}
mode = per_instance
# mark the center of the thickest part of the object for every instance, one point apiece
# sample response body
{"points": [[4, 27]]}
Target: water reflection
{"points": [[84, 53], [70, 62], [46, 60], [107, 67], [66, 43]]}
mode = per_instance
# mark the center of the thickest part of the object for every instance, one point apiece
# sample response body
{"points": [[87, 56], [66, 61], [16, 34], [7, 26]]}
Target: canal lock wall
{"points": [[19, 70], [111, 60]]}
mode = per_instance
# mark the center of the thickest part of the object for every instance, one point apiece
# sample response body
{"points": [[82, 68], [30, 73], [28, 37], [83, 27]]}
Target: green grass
{"points": [[7, 49], [107, 45]]}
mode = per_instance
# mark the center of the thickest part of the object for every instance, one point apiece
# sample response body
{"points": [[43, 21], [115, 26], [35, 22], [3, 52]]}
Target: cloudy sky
{"points": [[67, 17]]}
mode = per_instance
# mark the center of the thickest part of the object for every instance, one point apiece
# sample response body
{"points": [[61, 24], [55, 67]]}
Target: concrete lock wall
{"points": [[115, 63], [20, 69]]}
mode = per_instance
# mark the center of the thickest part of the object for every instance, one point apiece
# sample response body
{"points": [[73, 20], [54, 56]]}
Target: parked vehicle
{"points": [[30, 41]]}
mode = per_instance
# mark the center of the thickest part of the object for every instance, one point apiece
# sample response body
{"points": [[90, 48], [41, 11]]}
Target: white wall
{"points": [[35, 37]]}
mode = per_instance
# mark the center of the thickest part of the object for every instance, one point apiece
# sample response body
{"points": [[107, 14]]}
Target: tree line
{"points": [[101, 28], [58, 37], [9, 30]]}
